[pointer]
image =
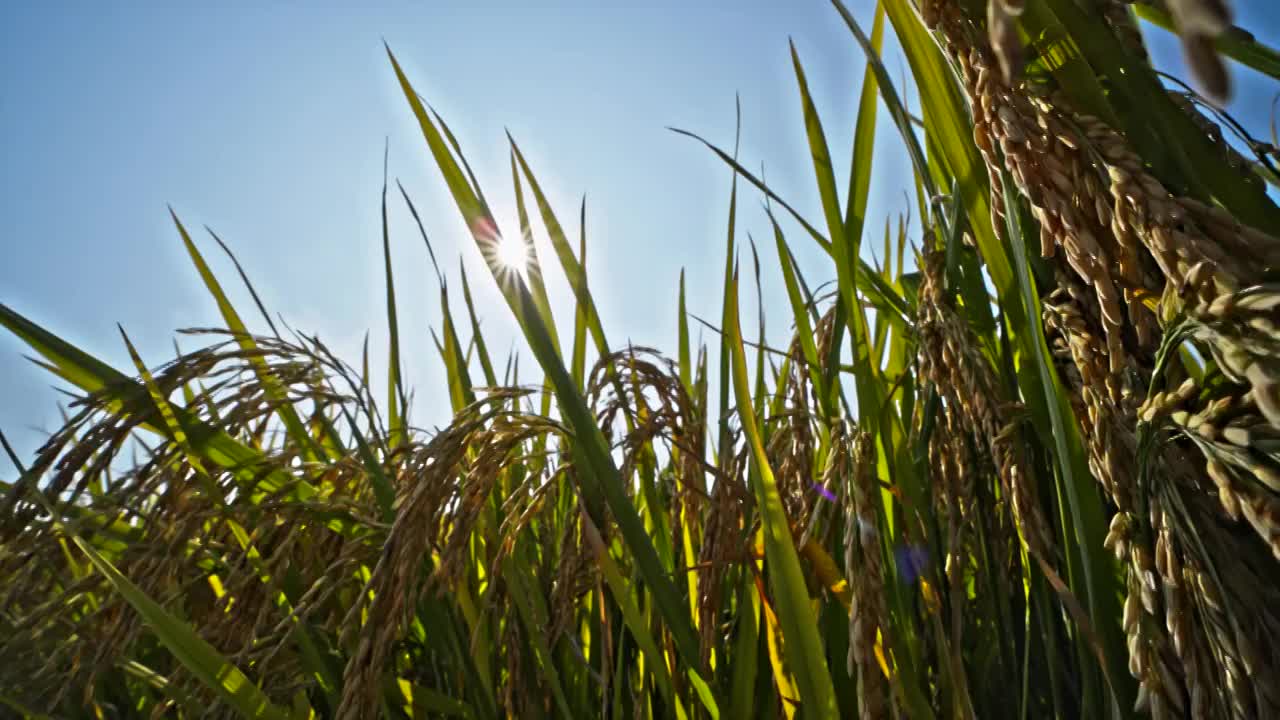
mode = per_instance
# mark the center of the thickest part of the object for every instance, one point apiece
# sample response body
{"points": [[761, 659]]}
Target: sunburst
{"points": [[507, 257], [512, 254]]}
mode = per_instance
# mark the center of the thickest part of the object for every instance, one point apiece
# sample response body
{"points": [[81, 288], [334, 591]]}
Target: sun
{"points": [[512, 254], [509, 258]]}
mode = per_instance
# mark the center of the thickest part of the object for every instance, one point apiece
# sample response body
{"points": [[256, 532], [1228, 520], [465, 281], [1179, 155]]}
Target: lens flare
{"points": [[509, 258]]}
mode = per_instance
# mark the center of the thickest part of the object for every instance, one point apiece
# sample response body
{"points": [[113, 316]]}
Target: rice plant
{"points": [[1030, 468]]}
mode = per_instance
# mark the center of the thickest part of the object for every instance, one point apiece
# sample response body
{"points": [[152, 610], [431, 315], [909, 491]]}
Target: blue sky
{"points": [[268, 124]]}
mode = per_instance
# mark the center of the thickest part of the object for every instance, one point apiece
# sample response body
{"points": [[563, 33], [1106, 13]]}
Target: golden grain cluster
{"points": [[1030, 468]]}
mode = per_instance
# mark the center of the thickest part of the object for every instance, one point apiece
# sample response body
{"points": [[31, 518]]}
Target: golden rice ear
{"points": [[1207, 67], [1201, 17], [1199, 23], [1003, 33], [1266, 392], [1013, 8]]}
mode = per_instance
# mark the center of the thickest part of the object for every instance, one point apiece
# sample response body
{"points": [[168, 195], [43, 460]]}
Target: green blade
{"points": [[395, 385], [1102, 589], [864, 138], [482, 350], [804, 329], [579, 357], [601, 481], [127, 396], [199, 657], [803, 649], [533, 272], [730, 263], [271, 385], [682, 322], [869, 281]]}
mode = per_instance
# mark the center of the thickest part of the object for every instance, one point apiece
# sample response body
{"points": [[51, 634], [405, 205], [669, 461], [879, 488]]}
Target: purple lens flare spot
{"points": [[912, 561], [824, 492]]}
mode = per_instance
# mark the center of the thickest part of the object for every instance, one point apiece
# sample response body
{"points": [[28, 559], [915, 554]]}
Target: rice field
{"points": [[1025, 465]]}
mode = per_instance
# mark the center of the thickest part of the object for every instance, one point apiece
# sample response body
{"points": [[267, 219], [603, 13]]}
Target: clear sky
{"points": [[268, 123]]}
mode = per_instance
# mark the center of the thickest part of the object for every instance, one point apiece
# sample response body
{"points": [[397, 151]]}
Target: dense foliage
{"points": [[1030, 470]]}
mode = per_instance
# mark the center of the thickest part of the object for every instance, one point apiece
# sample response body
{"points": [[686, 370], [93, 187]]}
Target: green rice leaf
{"points": [[803, 648], [395, 385], [271, 385], [601, 481], [125, 395]]}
